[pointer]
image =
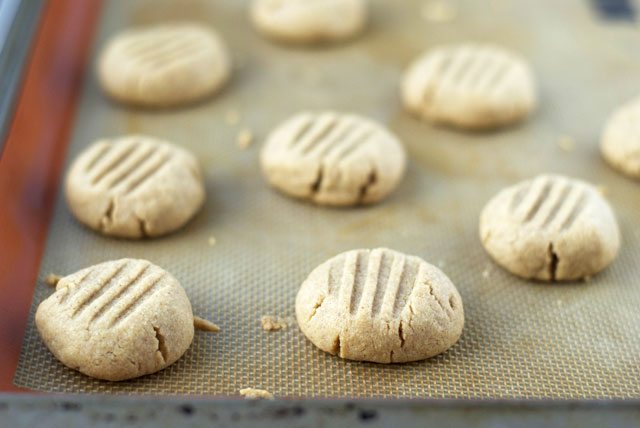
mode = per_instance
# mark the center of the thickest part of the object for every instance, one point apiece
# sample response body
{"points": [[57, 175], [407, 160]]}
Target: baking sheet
{"points": [[521, 339]]}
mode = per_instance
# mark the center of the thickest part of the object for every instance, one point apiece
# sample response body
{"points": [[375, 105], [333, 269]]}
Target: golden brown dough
{"points": [[135, 187], [379, 305], [550, 228], [620, 144], [472, 86], [333, 158], [117, 320], [164, 65], [307, 22]]}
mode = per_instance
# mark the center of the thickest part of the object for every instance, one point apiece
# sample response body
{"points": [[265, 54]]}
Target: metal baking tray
{"points": [[522, 340]]}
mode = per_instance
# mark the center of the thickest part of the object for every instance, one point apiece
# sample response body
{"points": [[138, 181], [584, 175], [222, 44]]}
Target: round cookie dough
{"points": [[307, 22], [135, 187], [164, 65], [117, 320], [333, 159], [471, 86], [550, 228], [620, 144], [379, 305]]}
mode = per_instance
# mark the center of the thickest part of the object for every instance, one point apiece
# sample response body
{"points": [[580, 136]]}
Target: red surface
{"points": [[31, 162]]}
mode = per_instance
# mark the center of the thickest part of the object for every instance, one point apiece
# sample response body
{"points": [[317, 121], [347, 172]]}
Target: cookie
{"points": [[620, 143], [164, 65], [307, 22], [379, 305], [550, 228], [134, 187], [333, 159], [469, 86], [117, 320]]}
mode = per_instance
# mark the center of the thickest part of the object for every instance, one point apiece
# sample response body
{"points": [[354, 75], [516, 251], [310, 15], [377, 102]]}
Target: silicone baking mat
{"points": [[521, 339]]}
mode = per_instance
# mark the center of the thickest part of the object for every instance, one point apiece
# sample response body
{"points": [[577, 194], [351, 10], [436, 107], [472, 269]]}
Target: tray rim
{"points": [[32, 157], [106, 409], [21, 19]]}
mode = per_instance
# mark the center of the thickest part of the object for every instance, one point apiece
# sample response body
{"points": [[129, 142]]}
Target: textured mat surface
{"points": [[521, 339]]}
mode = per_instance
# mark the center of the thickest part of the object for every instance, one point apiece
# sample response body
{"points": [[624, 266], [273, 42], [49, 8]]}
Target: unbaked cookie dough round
{"points": [[117, 320], [164, 65], [550, 228], [379, 305], [333, 159], [471, 86], [620, 144], [309, 21], [135, 187]]}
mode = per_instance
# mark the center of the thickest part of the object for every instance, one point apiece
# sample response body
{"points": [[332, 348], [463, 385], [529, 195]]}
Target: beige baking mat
{"points": [[521, 339]]}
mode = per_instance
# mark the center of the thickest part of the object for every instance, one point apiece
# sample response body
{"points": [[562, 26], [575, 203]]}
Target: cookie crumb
{"points": [[566, 143], [486, 272], [52, 279], [256, 394], [205, 325], [244, 138], [232, 117], [273, 323], [602, 189], [438, 11], [212, 241]]}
